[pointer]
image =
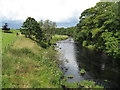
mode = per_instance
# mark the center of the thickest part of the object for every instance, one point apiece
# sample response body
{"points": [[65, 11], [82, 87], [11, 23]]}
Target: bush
{"points": [[84, 43]]}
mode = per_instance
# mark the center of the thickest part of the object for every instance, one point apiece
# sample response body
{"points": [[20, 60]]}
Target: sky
{"points": [[64, 12]]}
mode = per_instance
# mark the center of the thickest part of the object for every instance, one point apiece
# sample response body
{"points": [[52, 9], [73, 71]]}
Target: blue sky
{"points": [[64, 12]]}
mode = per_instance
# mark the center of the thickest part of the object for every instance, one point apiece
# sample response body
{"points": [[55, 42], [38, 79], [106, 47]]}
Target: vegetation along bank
{"points": [[29, 59], [98, 28], [27, 65]]}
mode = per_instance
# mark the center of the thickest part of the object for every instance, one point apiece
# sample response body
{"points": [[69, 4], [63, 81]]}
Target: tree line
{"points": [[66, 31], [98, 28]]}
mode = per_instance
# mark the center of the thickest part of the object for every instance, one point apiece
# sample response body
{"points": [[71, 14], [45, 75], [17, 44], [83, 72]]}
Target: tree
{"points": [[99, 26], [5, 27], [32, 30], [48, 29]]}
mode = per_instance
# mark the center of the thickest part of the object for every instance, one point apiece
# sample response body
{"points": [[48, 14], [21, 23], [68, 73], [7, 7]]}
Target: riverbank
{"points": [[76, 59], [27, 65]]}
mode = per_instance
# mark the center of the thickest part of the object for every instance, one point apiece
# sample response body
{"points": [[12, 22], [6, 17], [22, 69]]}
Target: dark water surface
{"points": [[100, 68]]}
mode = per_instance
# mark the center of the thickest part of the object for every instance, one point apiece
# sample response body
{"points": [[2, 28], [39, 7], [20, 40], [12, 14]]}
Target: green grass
{"points": [[72, 85], [0, 58], [0, 40], [58, 38], [27, 65], [89, 84], [8, 39]]}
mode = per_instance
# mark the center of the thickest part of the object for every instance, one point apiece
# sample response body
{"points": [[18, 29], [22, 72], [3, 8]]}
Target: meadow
{"points": [[8, 39], [0, 58], [0, 40], [27, 65]]}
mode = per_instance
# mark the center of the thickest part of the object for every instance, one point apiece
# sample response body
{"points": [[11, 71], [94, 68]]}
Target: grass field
{"points": [[0, 40], [0, 58], [27, 65], [8, 39], [58, 38]]}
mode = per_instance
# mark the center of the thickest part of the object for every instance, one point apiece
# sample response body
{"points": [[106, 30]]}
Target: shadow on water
{"points": [[100, 68]]}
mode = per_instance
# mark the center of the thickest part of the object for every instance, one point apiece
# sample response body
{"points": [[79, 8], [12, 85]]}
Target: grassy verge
{"points": [[26, 65], [8, 39], [0, 58], [58, 38], [0, 40]]}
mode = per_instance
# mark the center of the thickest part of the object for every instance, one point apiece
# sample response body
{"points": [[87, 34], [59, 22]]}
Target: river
{"points": [[99, 67]]}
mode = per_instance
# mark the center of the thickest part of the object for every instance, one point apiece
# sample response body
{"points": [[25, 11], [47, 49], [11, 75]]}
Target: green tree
{"points": [[48, 29], [5, 28], [99, 26], [32, 30]]}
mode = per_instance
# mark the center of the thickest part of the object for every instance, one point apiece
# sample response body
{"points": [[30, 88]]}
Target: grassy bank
{"points": [[8, 39], [0, 59], [58, 38], [0, 40], [27, 65]]}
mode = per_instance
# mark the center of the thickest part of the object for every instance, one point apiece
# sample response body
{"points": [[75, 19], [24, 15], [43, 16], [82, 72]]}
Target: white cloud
{"points": [[55, 10]]}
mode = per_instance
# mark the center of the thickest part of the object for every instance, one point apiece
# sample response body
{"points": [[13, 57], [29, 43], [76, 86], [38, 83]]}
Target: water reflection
{"points": [[70, 65], [99, 67], [102, 69]]}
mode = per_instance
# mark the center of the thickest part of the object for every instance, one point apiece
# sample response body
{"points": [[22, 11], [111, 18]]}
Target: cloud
{"points": [[72, 22], [55, 10]]}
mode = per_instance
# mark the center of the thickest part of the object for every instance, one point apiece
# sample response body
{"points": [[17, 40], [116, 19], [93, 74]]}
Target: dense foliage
{"points": [[31, 29], [99, 27], [41, 31], [48, 29], [66, 31]]}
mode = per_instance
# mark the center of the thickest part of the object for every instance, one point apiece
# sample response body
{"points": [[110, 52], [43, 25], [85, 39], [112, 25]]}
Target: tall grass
{"points": [[26, 65]]}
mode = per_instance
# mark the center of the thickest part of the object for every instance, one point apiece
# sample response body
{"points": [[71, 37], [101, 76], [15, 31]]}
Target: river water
{"points": [[99, 67]]}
